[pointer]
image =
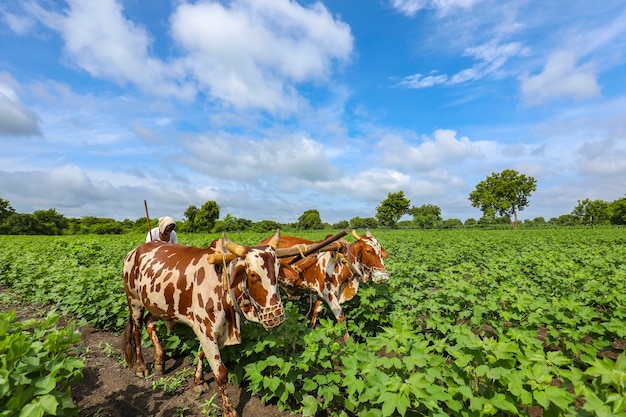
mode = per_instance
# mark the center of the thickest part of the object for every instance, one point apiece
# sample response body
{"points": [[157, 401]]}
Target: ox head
{"points": [[256, 269], [368, 254]]}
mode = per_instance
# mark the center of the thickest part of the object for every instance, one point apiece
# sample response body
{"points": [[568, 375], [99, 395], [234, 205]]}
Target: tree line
{"points": [[500, 197]]}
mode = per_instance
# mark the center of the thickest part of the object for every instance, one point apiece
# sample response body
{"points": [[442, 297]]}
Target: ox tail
{"points": [[129, 348]]}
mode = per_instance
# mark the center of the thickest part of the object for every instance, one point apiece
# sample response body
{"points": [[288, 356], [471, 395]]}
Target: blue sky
{"points": [[275, 107]]}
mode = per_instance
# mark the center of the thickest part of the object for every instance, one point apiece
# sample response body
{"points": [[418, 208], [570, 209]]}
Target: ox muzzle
{"points": [[379, 276], [271, 316]]}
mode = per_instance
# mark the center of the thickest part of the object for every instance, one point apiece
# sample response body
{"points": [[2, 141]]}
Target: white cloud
{"points": [[100, 40], [603, 157], [228, 156], [411, 7], [442, 147], [15, 118], [489, 57], [560, 78], [18, 24], [250, 53]]}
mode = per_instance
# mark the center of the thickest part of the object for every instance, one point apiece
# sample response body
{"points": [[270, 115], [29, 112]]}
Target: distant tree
{"points": [[108, 228], [189, 217], [5, 212], [451, 224], [232, 224], [426, 216], [363, 223], [617, 210], [406, 224], [391, 209], [503, 193], [50, 222], [470, 222], [265, 226], [310, 220], [23, 224], [205, 217], [564, 220], [5, 209], [592, 213], [343, 224]]}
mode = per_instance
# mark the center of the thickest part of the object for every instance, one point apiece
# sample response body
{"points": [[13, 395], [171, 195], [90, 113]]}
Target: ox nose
{"points": [[379, 277]]}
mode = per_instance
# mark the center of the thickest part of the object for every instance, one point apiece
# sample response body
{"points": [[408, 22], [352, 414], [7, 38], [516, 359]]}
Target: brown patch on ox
{"points": [[349, 292], [200, 300], [200, 276]]}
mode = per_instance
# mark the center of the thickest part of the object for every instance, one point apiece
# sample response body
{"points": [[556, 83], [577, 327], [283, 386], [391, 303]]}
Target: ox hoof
{"points": [[142, 373], [200, 388], [158, 368]]}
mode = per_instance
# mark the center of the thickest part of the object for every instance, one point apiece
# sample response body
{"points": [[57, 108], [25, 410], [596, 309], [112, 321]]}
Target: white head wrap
{"points": [[164, 222]]}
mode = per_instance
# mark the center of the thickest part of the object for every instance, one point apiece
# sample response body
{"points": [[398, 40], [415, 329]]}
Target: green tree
{"points": [[189, 219], [5, 212], [310, 219], [392, 208], [618, 211], [427, 216], [363, 223], [266, 226], [564, 220], [342, 224], [591, 212], [451, 224], [23, 224], [52, 222], [205, 217], [503, 193]]}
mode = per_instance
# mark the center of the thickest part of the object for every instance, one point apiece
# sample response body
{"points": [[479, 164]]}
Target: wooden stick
{"points": [[319, 245], [148, 219]]}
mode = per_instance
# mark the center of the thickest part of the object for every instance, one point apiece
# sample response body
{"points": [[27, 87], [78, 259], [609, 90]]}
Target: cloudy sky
{"points": [[274, 107]]}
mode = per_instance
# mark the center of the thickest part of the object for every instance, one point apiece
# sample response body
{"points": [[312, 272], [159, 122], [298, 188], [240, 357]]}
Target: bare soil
{"points": [[109, 389]]}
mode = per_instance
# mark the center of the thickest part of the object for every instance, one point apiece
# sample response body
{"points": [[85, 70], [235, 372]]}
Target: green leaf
{"points": [[45, 385], [309, 405]]}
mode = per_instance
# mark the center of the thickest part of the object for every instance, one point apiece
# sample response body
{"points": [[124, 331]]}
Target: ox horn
{"points": [[221, 258], [355, 234], [238, 250], [275, 239]]}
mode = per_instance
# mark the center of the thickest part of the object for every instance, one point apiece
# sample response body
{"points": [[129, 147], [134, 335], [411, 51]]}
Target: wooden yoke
{"points": [[317, 247]]}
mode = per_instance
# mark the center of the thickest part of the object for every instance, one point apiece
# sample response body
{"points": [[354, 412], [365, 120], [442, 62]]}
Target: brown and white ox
{"points": [[334, 276], [183, 284]]}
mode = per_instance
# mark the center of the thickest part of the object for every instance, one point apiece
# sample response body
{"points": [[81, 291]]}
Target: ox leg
{"points": [[317, 309], [199, 385], [158, 349], [220, 374], [141, 370]]}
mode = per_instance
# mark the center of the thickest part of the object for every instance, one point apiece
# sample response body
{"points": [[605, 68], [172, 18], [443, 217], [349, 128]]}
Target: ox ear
{"points": [[238, 250], [384, 253], [355, 234], [288, 273], [273, 243]]}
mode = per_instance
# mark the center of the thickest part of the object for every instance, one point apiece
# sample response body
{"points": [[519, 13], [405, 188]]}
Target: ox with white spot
{"points": [[207, 291]]}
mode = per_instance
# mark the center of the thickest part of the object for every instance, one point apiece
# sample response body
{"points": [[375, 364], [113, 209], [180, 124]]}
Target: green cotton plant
{"points": [[471, 323], [607, 394], [37, 367]]}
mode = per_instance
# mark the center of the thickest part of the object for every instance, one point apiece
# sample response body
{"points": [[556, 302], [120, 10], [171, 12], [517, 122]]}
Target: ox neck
{"points": [[355, 265]]}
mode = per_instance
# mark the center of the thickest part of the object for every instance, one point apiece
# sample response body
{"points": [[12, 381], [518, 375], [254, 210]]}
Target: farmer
{"points": [[164, 231]]}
